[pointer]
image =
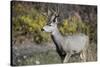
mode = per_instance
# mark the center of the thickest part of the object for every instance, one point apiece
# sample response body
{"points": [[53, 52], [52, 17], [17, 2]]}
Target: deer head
{"points": [[51, 26]]}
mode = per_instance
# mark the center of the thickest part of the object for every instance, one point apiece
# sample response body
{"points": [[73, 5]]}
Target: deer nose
{"points": [[42, 29]]}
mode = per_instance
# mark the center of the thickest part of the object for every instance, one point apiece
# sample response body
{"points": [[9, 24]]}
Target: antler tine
{"points": [[52, 10], [57, 11], [47, 13], [44, 14]]}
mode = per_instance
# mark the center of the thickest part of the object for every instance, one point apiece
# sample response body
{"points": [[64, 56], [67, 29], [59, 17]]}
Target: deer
{"points": [[66, 46]]}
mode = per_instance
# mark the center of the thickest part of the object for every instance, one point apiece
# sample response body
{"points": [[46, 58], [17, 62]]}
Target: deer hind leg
{"points": [[67, 57], [83, 56]]}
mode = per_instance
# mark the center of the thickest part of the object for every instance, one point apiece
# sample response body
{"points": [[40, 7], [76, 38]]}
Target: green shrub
{"points": [[29, 21]]}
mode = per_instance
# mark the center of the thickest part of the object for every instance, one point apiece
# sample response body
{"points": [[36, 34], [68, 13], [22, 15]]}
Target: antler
{"points": [[55, 12]]}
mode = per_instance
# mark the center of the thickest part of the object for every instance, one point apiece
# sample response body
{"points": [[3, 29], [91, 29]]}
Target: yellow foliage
{"points": [[33, 21], [73, 26]]}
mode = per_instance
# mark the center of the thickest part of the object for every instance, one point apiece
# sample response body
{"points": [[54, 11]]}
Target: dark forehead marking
{"points": [[52, 19]]}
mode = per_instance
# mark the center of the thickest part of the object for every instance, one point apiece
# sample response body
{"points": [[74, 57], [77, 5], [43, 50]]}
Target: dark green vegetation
{"points": [[28, 20]]}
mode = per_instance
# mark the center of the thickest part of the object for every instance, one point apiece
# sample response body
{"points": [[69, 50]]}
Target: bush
{"points": [[27, 20]]}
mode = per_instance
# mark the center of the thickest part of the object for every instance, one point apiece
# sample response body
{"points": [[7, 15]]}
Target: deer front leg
{"points": [[67, 57]]}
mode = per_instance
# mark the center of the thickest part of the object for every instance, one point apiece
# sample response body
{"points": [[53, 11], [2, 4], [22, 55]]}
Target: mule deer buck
{"points": [[67, 46]]}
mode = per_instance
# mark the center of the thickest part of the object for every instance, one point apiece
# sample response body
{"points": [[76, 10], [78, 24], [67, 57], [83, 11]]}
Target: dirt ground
{"points": [[30, 53]]}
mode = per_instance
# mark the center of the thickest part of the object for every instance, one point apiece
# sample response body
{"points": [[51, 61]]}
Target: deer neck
{"points": [[57, 39]]}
